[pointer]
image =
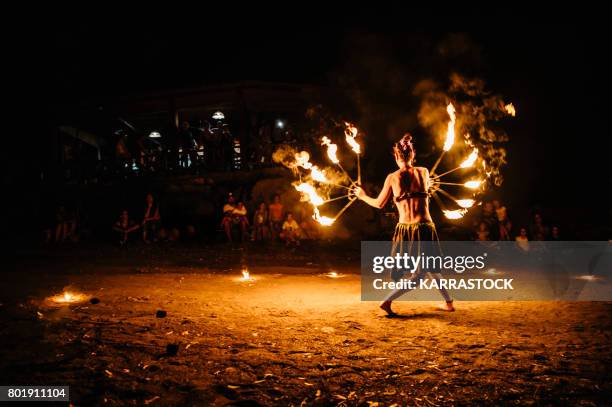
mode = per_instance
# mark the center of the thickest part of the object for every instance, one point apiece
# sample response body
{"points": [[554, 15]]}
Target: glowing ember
{"points": [[509, 108], [323, 220], [465, 203], [450, 131], [68, 297], [588, 277], [310, 193], [470, 160], [333, 274], [332, 149], [456, 214], [473, 184], [350, 133]]}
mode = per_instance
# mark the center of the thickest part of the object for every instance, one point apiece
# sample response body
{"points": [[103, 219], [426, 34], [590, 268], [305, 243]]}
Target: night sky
{"points": [[551, 67]]}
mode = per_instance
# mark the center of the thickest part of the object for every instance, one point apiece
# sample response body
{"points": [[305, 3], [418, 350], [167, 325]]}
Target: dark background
{"points": [[552, 66]]}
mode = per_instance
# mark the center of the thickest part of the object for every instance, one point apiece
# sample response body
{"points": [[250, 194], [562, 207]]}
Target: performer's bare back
{"points": [[413, 209]]}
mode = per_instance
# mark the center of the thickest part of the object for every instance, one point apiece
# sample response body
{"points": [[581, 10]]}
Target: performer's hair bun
{"points": [[405, 148]]}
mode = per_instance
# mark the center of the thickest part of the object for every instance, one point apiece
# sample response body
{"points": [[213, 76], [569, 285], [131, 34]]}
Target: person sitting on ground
{"points": [[260, 223], [276, 217], [151, 220], [310, 228], [290, 231], [522, 240], [241, 217], [234, 214], [228, 214], [124, 226]]}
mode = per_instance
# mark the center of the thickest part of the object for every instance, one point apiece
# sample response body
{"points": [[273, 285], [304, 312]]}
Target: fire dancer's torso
{"points": [[410, 187]]}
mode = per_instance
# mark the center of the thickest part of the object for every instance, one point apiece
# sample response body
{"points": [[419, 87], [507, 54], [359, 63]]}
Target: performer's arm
{"points": [[381, 199]]}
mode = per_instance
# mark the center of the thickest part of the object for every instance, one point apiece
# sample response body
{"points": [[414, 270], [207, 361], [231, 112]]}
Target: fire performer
{"points": [[409, 186]]}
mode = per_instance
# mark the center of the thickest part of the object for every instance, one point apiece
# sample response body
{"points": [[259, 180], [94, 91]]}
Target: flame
{"points": [[246, 276], [67, 297], [465, 203], [310, 192], [450, 132], [350, 133], [474, 184], [468, 162], [323, 220], [317, 174], [509, 108], [456, 214], [331, 149], [302, 159]]}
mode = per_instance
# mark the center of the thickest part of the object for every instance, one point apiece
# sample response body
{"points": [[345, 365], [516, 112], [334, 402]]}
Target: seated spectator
{"points": [[539, 231], [240, 213], [65, 225], [482, 234], [260, 223], [124, 226], [290, 231], [522, 240], [310, 228], [151, 220], [234, 215], [276, 217], [505, 226]]}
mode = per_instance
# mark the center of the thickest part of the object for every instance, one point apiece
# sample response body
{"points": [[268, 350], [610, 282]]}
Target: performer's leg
{"points": [[416, 277]]}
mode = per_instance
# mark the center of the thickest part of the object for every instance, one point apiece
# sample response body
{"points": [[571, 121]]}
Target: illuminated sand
{"points": [[297, 335]]}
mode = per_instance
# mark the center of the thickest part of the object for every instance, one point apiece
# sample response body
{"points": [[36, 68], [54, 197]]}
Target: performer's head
{"points": [[403, 151]]}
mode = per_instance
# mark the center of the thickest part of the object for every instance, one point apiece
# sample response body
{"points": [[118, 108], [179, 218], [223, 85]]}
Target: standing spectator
{"points": [[505, 226], [482, 234], [124, 226], [489, 216], [260, 223], [187, 145], [276, 217], [290, 232], [65, 227], [151, 220], [522, 240], [539, 231]]}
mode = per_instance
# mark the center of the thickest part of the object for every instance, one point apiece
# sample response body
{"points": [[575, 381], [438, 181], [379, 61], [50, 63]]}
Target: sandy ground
{"points": [[293, 336]]}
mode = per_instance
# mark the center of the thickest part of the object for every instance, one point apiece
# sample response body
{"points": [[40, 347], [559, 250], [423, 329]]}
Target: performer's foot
{"points": [[386, 306], [448, 307]]}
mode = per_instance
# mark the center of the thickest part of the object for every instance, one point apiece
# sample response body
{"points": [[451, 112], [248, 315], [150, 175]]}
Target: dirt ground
{"points": [[294, 336]]}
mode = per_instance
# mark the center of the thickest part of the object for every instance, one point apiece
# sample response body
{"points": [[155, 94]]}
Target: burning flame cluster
{"points": [[465, 203], [308, 188]]}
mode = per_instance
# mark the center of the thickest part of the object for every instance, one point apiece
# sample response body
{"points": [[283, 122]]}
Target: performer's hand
{"points": [[359, 192]]}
